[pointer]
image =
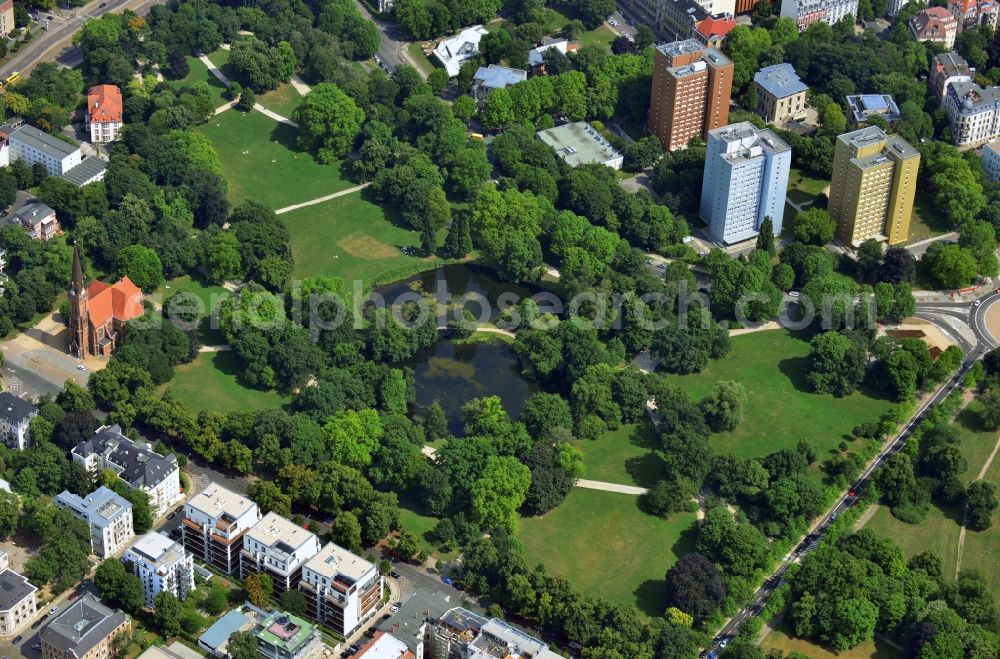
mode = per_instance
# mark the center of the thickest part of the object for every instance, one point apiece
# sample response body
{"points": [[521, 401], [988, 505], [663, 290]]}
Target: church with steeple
{"points": [[98, 313]]}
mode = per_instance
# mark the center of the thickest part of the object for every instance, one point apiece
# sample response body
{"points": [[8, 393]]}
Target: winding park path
{"points": [[965, 517]]}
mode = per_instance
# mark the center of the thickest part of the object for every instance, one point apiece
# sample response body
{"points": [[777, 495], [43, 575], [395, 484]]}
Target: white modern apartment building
{"points": [[745, 180], [108, 515], [15, 417], [807, 12], [31, 145], [341, 588], [215, 521], [279, 548], [17, 602], [973, 113], [136, 464], [161, 565]]}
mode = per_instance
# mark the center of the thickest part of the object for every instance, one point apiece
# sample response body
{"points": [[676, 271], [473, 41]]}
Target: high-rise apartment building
{"points": [[161, 565], [278, 548], [108, 515], [873, 185], [745, 181], [691, 90], [341, 588], [215, 521]]}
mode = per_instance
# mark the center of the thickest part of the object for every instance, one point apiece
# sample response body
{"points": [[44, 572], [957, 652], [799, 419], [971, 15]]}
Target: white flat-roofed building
{"points": [[17, 602], [161, 565], [745, 180], [278, 548], [33, 146], [457, 50], [384, 645], [341, 588], [136, 464], [108, 515], [497, 639], [215, 521], [580, 144]]}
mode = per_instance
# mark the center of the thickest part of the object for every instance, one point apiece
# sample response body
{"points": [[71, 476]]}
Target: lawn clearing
{"points": [[208, 295], [352, 238], [282, 100], [938, 533], [601, 36], [416, 52], [593, 532], [982, 548], [799, 180], [212, 382], [927, 221], [261, 161], [781, 409], [200, 73], [421, 526], [780, 638], [976, 443], [627, 456]]}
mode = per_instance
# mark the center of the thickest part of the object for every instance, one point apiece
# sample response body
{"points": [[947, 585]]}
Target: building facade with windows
{"points": [[873, 186], [691, 92], [781, 95], [86, 629], [161, 565], [807, 12], [215, 521], [104, 113], [15, 418], [136, 464], [18, 603], [342, 589], [934, 24], [34, 146], [947, 68], [991, 160], [108, 515], [745, 180], [38, 219], [973, 113], [279, 548]]}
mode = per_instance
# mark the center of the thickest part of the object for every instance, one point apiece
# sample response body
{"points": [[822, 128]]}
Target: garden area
{"points": [[628, 456], [208, 296], [607, 546], [781, 409], [781, 639], [261, 161], [198, 72], [212, 382]]}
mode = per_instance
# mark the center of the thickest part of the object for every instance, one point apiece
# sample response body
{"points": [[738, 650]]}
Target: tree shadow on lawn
{"points": [[648, 469], [795, 369], [650, 596], [229, 363], [287, 136], [971, 420]]}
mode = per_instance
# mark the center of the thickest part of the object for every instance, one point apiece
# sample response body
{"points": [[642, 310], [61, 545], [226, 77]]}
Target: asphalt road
{"points": [[392, 45], [975, 316], [55, 43]]}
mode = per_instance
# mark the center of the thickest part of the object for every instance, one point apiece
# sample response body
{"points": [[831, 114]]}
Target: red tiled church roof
{"points": [[121, 300], [104, 103]]}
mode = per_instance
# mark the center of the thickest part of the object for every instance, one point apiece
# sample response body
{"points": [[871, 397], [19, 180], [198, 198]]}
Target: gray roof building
{"points": [[780, 80], [580, 144], [13, 589], [409, 623], [47, 144], [82, 626], [864, 106], [14, 410], [89, 170], [140, 466]]}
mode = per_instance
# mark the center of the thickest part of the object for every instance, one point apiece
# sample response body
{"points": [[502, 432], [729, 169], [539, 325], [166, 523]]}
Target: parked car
{"points": [[54, 610], [447, 580], [18, 639], [393, 609]]}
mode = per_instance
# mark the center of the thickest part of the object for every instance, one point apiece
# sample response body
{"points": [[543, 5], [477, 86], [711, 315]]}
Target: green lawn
{"points": [[982, 548], [424, 63], [781, 409], [602, 36], [209, 297], [212, 382], [938, 533], [927, 221], [627, 456], [261, 161], [282, 100], [781, 639], [421, 526], [200, 73], [352, 238], [799, 180], [606, 546]]}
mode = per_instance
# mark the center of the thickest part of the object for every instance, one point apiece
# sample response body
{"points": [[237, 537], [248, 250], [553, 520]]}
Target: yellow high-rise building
{"points": [[874, 182]]}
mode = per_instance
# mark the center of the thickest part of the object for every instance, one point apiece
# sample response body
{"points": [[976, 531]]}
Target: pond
{"points": [[454, 374]]}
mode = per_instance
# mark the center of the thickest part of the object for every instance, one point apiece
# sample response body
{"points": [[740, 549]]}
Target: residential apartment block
{"points": [[807, 12], [973, 13], [947, 68], [108, 515], [136, 464], [34, 146], [494, 76], [745, 180], [6, 17], [215, 521], [281, 635], [86, 629], [279, 548], [17, 602], [15, 417], [973, 113], [873, 185], [781, 95], [161, 565], [38, 219], [341, 588], [991, 161], [464, 634], [104, 113], [934, 24], [691, 92]]}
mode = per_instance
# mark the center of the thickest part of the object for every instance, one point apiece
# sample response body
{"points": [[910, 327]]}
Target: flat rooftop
{"points": [[13, 589], [284, 630], [274, 530], [579, 144], [215, 501], [47, 144], [334, 559], [780, 80], [157, 549], [679, 47]]}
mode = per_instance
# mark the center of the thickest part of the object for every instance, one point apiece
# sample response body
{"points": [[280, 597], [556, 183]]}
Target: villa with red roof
{"points": [[98, 313], [104, 113]]}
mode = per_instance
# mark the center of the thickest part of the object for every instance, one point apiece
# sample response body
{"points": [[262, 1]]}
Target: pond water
{"points": [[454, 374]]}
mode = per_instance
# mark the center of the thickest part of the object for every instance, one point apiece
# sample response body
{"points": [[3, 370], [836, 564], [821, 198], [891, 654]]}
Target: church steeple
{"points": [[77, 272], [79, 310]]}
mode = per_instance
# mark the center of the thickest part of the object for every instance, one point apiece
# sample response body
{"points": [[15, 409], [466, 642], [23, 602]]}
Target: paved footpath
{"points": [[965, 517], [274, 115], [215, 71], [320, 200], [300, 85], [610, 487]]}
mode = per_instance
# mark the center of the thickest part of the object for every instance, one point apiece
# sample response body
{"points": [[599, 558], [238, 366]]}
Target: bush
{"points": [[911, 513]]}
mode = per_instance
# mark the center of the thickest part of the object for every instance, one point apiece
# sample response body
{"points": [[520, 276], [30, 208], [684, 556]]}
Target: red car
{"points": [[852, 492]]}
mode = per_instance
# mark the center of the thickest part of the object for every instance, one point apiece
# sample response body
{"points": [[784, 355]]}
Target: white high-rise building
{"points": [[342, 589], [161, 565], [278, 548], [215, 521], [108, 515], [745, 180]]}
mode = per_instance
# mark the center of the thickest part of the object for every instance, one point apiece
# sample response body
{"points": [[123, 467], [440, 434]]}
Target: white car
{"points": [[81, 367], [612, 22], [394, 608]]}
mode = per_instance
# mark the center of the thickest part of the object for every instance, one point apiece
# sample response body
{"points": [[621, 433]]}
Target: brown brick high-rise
{"points": [[691, 89]]}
